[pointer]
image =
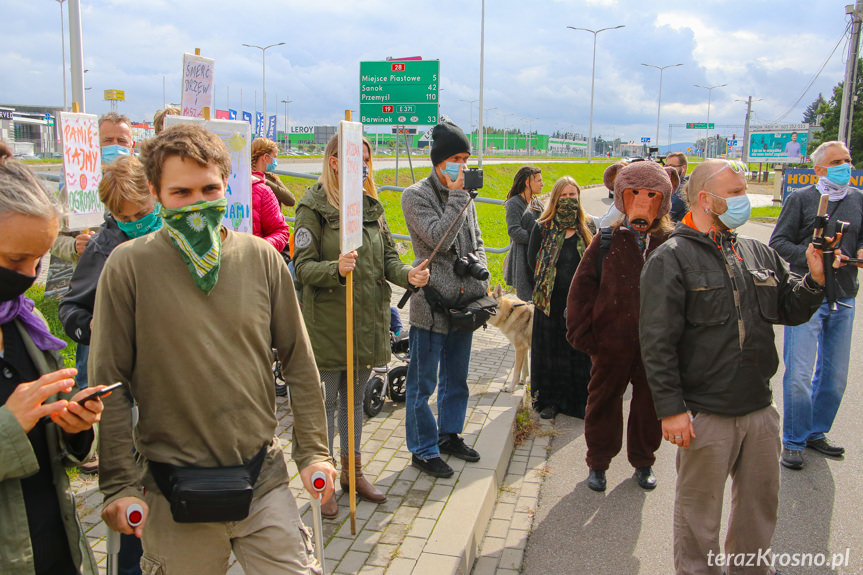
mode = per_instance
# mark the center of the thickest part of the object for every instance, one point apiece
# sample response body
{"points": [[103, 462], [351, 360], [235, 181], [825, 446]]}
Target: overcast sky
{"points": [[534, 66]]}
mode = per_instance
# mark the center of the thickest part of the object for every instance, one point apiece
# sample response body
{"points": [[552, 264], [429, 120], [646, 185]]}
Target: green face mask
{"points": [[567, 213], [195, 231]]}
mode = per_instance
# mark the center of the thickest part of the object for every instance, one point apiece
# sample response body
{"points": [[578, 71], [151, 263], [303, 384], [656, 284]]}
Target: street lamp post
{"points": [[659, 100], [63, 47], [471, 102], [592, 83], [263, 50], [505, 141], [707, 130], [484, 141], [529, 134], [287, 126]]}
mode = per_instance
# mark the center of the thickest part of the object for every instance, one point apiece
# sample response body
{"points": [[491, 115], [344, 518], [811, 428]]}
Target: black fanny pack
{"points": [[467, 317], [208, 494]]}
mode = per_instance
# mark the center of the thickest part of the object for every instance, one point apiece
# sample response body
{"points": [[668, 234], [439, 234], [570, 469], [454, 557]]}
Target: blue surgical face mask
{"points": [[114, 151], [149, 223], [452, 169], [839, 175], [365, 172], [737, 213]]}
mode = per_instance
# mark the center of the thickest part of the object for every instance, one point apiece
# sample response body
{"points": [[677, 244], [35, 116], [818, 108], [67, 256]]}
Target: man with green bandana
{"points": [[186, 317]]}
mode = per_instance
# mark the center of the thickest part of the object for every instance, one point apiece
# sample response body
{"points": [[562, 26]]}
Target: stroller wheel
{"points": [[397, 378], [373, 400]]}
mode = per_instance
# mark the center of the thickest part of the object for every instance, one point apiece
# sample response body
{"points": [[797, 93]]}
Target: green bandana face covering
{"points": [[194, 229], [567, 213]]}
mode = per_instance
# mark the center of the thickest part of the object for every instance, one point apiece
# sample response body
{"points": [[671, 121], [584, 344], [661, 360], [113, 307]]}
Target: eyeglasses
{"points": [[734, 165]]}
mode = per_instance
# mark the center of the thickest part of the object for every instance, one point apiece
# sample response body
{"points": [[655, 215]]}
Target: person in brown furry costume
{"points": [[602, 320]]}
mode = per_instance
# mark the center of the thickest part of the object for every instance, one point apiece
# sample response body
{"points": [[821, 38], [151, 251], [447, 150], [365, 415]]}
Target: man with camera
{"points": [[822, 344], [709, 301], [438, 210]]}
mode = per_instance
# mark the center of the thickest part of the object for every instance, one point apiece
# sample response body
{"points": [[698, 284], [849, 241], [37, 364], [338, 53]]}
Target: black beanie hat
{"points": [[447, 140]]}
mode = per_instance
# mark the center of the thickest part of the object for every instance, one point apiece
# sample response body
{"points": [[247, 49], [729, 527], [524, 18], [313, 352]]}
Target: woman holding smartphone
{"points": [[42, 425]]}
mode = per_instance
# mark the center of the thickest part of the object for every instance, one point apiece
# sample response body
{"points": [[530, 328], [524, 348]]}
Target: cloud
{"points": [[534, 66]]}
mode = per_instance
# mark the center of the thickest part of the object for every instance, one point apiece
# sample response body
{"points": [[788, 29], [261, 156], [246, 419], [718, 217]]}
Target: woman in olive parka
{"points": [[321, 270]]}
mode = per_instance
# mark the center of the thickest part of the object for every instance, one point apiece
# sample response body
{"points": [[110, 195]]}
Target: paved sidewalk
{"points": [[503, 546], [427, 525]]}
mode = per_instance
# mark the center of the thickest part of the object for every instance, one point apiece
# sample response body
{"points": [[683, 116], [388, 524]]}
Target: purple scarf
{"points": [[21, 308]]}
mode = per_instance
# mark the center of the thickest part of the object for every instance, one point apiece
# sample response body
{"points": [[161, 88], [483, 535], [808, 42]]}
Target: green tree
{"points": [[810, 116], [830, 110]]}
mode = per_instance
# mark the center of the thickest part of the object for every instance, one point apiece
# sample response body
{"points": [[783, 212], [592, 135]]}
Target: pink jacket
{"points": [[267, 219]]}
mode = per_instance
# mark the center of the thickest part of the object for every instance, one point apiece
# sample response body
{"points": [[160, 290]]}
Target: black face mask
{"points": [[13, 284]]}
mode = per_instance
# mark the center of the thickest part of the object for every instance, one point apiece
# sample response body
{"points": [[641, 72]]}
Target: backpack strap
{"points": [[605, 237]]}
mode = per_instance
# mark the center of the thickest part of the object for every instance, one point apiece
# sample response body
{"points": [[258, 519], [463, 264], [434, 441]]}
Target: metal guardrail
{"points": [[478, 199]]}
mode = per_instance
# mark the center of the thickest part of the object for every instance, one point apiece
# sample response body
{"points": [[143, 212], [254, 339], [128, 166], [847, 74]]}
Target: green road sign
{"points": [[399, 114], [399, 92], [700, 126]]}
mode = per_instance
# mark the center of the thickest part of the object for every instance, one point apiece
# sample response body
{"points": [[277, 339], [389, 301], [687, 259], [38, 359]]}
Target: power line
{"points": [[791, 109]]}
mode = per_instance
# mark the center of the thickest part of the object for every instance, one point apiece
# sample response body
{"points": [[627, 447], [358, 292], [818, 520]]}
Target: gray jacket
{"points": [[429, 208], [518, 272]]}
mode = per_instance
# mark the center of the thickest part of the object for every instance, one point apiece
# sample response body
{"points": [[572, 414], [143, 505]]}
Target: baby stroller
{"points": [[375, 395]]}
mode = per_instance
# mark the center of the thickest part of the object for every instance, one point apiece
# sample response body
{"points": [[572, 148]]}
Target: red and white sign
{"points": [[398, 67], [351, 185], [387, 109], [82, 169]]}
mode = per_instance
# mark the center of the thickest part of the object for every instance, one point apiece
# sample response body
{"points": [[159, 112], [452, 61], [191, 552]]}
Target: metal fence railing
{"points": [[479, 200], [56, 177]]}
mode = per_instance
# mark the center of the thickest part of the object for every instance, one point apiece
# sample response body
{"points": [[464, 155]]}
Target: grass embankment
{"points": [[497, 182], [48, 307]]}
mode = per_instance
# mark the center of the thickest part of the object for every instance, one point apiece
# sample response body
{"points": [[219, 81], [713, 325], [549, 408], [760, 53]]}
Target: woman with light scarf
{"points": [[559, 373]]}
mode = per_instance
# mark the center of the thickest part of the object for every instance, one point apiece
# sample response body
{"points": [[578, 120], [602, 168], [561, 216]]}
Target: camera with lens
{"points": [[472, 179], [469, 265]]}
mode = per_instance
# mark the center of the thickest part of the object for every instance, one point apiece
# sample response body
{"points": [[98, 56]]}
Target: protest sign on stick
{"points": [[82, 169], [197, 97], [237, 136], [350, 238]]}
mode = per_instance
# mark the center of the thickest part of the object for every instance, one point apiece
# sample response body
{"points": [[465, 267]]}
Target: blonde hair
{"points": [[123, 181], [551, 208], [159, 117], [330, 179], [261, 146], [21, 192]]}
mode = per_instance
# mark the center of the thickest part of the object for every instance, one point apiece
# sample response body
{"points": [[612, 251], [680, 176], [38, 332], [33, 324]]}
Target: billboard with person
{"points": [[784, 143]]}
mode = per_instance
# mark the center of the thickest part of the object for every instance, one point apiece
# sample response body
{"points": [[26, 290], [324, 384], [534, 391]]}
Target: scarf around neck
{"points": [[835, 191], [195, 230], [21, 308], [553, 236]]}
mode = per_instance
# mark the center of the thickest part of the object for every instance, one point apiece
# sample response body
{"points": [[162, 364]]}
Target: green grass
{"points": [[770, 212], [48, 307], [497, 182]]}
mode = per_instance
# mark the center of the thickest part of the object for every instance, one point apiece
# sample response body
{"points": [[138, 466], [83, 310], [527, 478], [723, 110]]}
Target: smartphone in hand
{"points": [[97, 394]]}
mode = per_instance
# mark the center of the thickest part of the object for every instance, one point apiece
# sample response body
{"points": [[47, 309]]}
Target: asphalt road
{"points": [[627, 530]]}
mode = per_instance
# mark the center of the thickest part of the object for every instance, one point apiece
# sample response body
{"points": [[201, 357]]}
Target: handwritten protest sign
{"points": [[197, 85], [351, 185], [237, 136], [82, 169]]}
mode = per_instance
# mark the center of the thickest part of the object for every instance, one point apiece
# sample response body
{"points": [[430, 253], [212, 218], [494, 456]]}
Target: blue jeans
{"points": [[822, 344], [82, 354], [437, 360]]}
